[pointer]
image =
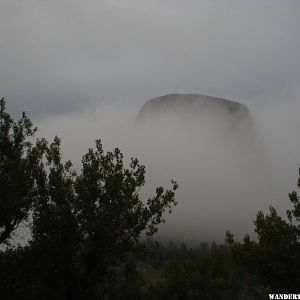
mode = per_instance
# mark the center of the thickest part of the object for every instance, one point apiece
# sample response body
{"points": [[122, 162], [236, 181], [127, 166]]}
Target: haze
{"points": [[225, 177], [82, 70]]}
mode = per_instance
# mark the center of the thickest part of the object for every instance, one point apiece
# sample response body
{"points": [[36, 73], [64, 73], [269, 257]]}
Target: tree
{"points": [[110, 212], [274, 259], [83, 227], [18, 162]]}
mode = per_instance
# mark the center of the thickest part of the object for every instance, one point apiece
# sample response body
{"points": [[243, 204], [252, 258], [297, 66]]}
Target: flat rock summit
{"points": [[192, 105]]}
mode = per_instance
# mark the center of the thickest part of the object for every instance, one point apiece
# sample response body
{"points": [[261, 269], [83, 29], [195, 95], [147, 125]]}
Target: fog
{"points": [[225, 176], [82, 70]]}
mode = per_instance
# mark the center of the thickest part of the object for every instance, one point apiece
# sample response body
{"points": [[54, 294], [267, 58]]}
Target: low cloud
{"points": [[224, 177]]}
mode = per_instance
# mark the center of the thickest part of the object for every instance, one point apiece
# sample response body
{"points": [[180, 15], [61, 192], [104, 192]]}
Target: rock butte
{"points": [[194, 105]]}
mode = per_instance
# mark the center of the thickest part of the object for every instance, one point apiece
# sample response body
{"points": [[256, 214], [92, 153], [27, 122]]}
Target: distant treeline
{"points": [[180, 251]]}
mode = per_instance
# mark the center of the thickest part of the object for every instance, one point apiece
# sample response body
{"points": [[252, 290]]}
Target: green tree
{"points": [[274, 259], [18, 162], [83, 226]]}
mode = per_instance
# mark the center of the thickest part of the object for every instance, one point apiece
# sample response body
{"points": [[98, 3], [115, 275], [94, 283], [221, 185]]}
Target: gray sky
{"points": [[62, 56]]}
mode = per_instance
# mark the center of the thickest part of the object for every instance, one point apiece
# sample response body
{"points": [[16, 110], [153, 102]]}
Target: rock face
{"points": [[193, 106]]}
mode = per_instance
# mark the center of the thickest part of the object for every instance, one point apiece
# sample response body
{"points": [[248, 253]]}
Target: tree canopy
{"points": [[18, 163], [82, 225]]}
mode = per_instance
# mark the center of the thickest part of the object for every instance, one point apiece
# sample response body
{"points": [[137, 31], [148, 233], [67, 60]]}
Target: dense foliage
{"points": [[18, 160], [81, 226]]}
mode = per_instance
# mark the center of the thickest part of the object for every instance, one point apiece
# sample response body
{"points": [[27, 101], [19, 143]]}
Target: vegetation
{"points": [[274, 259], [69, 235], [18, 163], [82, 226]]}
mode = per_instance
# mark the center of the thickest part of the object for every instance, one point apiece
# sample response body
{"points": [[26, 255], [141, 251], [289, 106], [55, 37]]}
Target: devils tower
{"points": [[193, 105]]}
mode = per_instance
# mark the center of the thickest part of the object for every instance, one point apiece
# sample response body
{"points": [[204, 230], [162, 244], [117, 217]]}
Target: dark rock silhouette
{"points": [[193, 105]]}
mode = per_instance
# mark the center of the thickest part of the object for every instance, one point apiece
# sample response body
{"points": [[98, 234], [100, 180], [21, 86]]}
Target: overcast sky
{"points": [[63, 56]]}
